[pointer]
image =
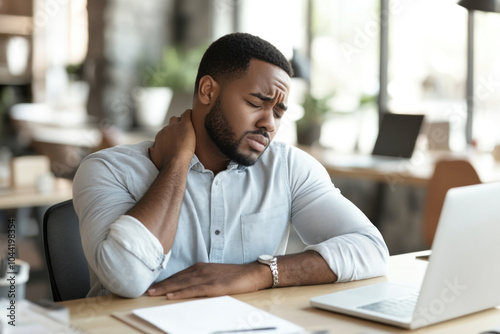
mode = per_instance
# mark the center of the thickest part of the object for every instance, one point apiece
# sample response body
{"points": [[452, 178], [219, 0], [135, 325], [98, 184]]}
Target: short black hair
{"points": [[229, 57]]}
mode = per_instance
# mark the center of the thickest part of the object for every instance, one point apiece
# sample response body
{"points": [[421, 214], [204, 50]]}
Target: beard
{"points": [[221, 133]]}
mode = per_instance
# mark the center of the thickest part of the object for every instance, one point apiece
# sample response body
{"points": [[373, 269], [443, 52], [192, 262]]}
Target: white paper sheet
{"points": [[215, 315]]}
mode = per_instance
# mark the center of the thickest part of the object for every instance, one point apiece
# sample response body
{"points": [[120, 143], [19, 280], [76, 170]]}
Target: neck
{"points": [[208, 160], [207, 152]]}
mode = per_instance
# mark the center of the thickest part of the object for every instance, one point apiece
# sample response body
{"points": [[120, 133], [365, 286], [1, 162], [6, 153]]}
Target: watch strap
{"points": [[272, 262], [274, 270]]}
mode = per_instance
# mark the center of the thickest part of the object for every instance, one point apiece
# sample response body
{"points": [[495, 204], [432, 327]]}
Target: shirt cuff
{"points": [[136, 238]]}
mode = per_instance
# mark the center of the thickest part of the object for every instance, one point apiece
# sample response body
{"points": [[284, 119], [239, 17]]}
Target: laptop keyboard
{"points": [[399, 307]]}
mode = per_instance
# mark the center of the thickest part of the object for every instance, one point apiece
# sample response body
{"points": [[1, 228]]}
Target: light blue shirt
{"points": [[232, 217]]}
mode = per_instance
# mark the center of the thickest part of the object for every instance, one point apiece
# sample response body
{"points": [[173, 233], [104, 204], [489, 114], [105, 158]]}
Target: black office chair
{"points": [[66, 262]]}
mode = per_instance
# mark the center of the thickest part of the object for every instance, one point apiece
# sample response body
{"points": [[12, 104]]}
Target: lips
{"points": [[257, 142]]}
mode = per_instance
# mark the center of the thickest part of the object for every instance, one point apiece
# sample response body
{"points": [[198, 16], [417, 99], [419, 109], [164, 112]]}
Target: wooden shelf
{"points": [[8, 79], [15, 20], [16, 25]]}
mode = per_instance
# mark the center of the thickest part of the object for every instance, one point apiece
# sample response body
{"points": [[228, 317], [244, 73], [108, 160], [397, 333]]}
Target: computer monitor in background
{"points": [[398, 135]]}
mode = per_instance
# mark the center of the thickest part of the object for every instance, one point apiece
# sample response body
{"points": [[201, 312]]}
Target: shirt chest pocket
{"points": [[265, 232]]}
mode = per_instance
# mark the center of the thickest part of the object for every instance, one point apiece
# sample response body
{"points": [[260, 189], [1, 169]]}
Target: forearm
{"points": [[215, 279], [305, 268], [160, 206], [345, 258]]}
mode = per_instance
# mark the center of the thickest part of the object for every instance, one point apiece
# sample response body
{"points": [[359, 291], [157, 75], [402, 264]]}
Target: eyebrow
{"points": [[269, 99]]}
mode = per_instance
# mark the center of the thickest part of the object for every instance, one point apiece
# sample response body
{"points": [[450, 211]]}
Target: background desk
{"points": [[30, 196], [27, 206], [410, 172], [94, 314], [394, 194]]}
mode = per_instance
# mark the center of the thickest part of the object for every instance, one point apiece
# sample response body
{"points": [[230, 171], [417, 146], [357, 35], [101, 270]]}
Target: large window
{"points": [[284, 24], [427, 62], [345, 56], [487, 80]]}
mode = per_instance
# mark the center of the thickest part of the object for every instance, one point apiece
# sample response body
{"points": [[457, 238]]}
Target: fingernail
{"points": [[150, 291], [170, 295]]}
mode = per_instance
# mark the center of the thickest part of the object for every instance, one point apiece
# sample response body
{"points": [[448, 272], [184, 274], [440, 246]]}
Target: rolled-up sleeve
{"points": [[130, 245], [355, 256], [333, 226], [124, 257]]}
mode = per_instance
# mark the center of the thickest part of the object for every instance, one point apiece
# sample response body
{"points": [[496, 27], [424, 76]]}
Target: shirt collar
{"points": [[196, 165], [233, 165]]}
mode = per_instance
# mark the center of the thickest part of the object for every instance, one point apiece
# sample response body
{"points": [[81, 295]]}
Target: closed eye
{"points": [[252, 105]]}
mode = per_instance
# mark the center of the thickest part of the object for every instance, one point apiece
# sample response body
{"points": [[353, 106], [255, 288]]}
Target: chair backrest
{"points": [[447, 174], [66, 262]]}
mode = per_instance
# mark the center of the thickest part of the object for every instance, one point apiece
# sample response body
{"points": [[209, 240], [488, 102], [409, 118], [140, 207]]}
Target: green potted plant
{"points": [[316, 111], [367, 100], [78, 88], [177, 70], [175, 74]]}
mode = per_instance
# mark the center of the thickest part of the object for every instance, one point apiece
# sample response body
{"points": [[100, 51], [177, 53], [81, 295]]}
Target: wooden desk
{"points": [[30, 196], [94, 314]]}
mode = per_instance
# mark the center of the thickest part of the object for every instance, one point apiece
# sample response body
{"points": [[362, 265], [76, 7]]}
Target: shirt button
{"points": [[217, 232]]}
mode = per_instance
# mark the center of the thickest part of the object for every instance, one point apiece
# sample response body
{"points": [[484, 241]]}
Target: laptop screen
{"points": [[398, 135]]}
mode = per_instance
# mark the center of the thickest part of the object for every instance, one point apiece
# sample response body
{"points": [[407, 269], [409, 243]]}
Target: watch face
{"points": [[266, 257]]}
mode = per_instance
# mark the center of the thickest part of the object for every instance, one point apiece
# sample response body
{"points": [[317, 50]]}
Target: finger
{"points": [[179, 276], [186, 114], [174, 119], [194, 291], [167, 287], [191, 276], [173, 284]]}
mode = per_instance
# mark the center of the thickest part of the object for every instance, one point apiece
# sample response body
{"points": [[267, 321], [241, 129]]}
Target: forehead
{"points": [[265, 78]]}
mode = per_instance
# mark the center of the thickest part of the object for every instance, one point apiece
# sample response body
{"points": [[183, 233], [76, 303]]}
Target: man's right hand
{"points": [[172, 151], [175, 140]]}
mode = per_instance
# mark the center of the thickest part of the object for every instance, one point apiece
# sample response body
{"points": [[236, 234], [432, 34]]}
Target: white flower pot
{"points": [[152, 105]]}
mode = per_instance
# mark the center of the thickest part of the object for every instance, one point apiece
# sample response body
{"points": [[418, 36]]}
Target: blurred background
{"points": [[81, 75]]}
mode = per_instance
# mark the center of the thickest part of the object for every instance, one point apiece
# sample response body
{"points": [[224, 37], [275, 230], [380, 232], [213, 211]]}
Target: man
{"points": [[193, 213]]}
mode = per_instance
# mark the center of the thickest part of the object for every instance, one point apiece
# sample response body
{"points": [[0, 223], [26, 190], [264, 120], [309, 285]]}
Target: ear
{"points": [[208, 90]]}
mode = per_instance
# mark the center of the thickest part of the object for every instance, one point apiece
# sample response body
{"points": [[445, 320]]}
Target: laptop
{"points": [[395, 142], [398, 135], [463, 273]]}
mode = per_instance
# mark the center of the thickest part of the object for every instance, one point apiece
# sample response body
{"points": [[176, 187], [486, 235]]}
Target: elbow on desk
{"points": [[122, 283], [373, 257], [126, 289], [381, 252], [131, 293], [123, 275], [385, 260]]}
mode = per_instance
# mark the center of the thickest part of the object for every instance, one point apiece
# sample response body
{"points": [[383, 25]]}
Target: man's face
{"points": [[246, 115]]}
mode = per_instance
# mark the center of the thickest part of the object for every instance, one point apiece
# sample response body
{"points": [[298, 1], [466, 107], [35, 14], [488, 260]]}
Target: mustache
{"points": [[258, 132]]}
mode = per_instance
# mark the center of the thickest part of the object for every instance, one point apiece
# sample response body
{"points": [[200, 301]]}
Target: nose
{"points": [[267, 121]]}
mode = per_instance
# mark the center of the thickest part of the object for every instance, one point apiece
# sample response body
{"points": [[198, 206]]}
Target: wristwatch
{"points": [[272, 262]]}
